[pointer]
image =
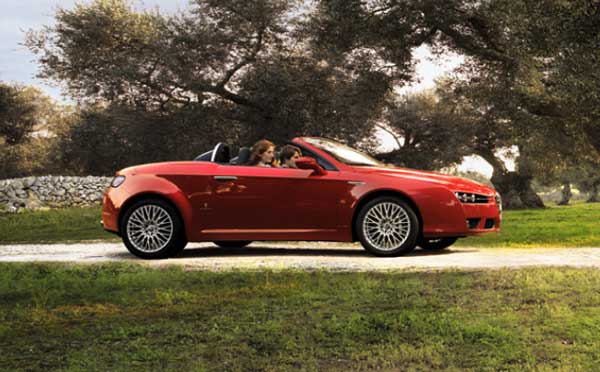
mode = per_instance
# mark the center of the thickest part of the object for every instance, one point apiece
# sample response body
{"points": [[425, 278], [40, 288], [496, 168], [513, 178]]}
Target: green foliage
{"points": [[428, 133], [107, 50], [530, 77], [304, 96], [27, 121], [17, 113], [276, 68], [239, 68], [25, 159], [103, 140], [120, 316]]}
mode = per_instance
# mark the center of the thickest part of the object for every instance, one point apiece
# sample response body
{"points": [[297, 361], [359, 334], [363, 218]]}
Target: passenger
{"points": [[289, 154], [276, 163], [263, 154]]}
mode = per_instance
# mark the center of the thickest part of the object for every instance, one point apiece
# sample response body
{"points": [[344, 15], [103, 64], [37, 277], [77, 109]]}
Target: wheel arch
{"points": [[379, 193], [151, 195]]}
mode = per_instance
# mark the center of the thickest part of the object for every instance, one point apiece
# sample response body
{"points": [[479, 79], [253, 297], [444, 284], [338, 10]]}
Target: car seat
{"points": [[242, 158]]}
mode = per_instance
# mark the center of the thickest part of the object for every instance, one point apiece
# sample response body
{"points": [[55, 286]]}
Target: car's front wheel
{"points": [[152, 228], [387, 226], [436, 244]]}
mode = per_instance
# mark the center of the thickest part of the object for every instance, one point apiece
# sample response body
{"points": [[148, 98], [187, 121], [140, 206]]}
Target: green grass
{"points": [[53, 226], [576, 225], [569, 226], [123, 317]]}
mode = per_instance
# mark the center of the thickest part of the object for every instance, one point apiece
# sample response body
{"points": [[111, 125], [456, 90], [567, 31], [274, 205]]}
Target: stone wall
{"points": [[51, 192]]}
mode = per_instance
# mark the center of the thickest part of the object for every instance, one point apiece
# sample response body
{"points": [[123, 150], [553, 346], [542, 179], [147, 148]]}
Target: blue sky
{"points": [[17, 64]]}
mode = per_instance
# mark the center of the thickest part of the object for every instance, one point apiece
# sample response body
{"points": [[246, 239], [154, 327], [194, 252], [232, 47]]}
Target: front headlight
{"points": [[117, 181], [467, 197], [498, 202]]}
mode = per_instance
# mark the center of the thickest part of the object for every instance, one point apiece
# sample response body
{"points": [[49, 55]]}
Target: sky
{"points": [[18, 65]]}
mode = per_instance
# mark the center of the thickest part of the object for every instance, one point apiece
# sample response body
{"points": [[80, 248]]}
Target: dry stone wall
{"points": [[51, 192]]}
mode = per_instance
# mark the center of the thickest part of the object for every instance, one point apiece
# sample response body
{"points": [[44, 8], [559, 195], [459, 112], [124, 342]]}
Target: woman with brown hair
{"points": [[263, 154]]}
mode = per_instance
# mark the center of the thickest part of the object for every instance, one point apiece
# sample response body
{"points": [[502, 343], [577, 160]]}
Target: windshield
{"points": [[343, 153]]}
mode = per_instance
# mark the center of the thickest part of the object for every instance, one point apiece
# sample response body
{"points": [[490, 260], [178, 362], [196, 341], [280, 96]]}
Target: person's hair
{"points": [[258, 149], [288, 151]]}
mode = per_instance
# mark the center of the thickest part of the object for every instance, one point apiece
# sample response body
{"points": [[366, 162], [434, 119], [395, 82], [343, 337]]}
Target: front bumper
{"points": [[481, 218], [452, 218]]}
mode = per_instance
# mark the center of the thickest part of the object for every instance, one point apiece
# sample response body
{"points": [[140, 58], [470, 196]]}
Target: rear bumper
{"points": [[110, 212], [108, 230]]}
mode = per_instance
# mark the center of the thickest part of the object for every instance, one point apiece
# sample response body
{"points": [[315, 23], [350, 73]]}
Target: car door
{"points": [[247, 198], [274, 199], [315, 200]]}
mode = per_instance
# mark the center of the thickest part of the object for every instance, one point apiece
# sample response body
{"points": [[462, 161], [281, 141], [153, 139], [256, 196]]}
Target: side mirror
{"points": [[307, 162]]}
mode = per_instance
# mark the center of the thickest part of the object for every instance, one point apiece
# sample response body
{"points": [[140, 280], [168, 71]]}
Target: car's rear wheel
{"points": [[233, 243], [387, 226], [436, 244], [152, 228]]}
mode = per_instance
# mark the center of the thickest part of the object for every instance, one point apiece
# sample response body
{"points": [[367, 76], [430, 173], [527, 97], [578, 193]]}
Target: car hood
{"points": [[452, 182]]}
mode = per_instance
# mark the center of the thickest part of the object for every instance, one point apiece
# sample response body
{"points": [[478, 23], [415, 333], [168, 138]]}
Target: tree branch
{"points": [[245, 61], [489, 156], [469, 45], [394, 135]]}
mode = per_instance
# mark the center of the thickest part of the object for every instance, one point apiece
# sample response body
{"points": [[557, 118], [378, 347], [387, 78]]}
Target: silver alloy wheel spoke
{"points": [[149, 228], [386, 226]]}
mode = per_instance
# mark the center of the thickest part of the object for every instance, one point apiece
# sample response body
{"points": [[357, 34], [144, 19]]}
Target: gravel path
{"points": [[309, 255]]}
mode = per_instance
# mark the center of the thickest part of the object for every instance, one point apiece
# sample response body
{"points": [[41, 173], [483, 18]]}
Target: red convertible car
{"points": [[336, 194]]}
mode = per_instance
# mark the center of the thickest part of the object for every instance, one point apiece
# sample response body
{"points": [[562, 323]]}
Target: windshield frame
{"points": [[336, 149]]}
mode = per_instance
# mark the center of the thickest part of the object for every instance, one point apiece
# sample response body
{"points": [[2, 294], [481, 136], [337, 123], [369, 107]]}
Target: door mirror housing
{"points": [[307, 162]]}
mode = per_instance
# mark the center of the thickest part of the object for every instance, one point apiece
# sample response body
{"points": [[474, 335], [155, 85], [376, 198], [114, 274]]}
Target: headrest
{"points": [[243, 156], [220, 153]]}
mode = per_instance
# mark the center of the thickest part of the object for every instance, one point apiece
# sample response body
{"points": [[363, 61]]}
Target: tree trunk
{"points": [[593, 197], [593, 134], [513, 186], [566, 194]]}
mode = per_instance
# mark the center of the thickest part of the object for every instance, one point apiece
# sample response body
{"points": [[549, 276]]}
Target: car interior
{"points": [[221, 154]]}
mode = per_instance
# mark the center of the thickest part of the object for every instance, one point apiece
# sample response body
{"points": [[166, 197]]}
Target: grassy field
{"points": [[570, 226], [53, 226], [576, 225], [128, 317]]}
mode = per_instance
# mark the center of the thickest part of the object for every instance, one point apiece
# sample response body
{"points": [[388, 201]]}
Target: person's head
{"points": [[289, 154], [263, 151]]}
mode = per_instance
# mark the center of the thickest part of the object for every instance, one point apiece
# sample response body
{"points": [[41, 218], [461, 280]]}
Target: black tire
{"points": [[404, 234], [436, 244], [179, 246], [232, 243], [170, 243]]}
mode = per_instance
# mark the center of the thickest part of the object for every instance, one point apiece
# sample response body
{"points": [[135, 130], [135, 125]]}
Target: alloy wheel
{"points": [[150, 228], [386, 226]]}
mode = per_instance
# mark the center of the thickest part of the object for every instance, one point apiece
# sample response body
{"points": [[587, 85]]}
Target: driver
{"points": [[263, 154], [288, 156]]}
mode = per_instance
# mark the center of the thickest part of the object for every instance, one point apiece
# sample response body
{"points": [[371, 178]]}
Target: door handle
{"points": [[225, 178]]}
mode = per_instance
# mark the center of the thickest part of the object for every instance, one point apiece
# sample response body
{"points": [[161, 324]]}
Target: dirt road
{"points": [[308, 255]]}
